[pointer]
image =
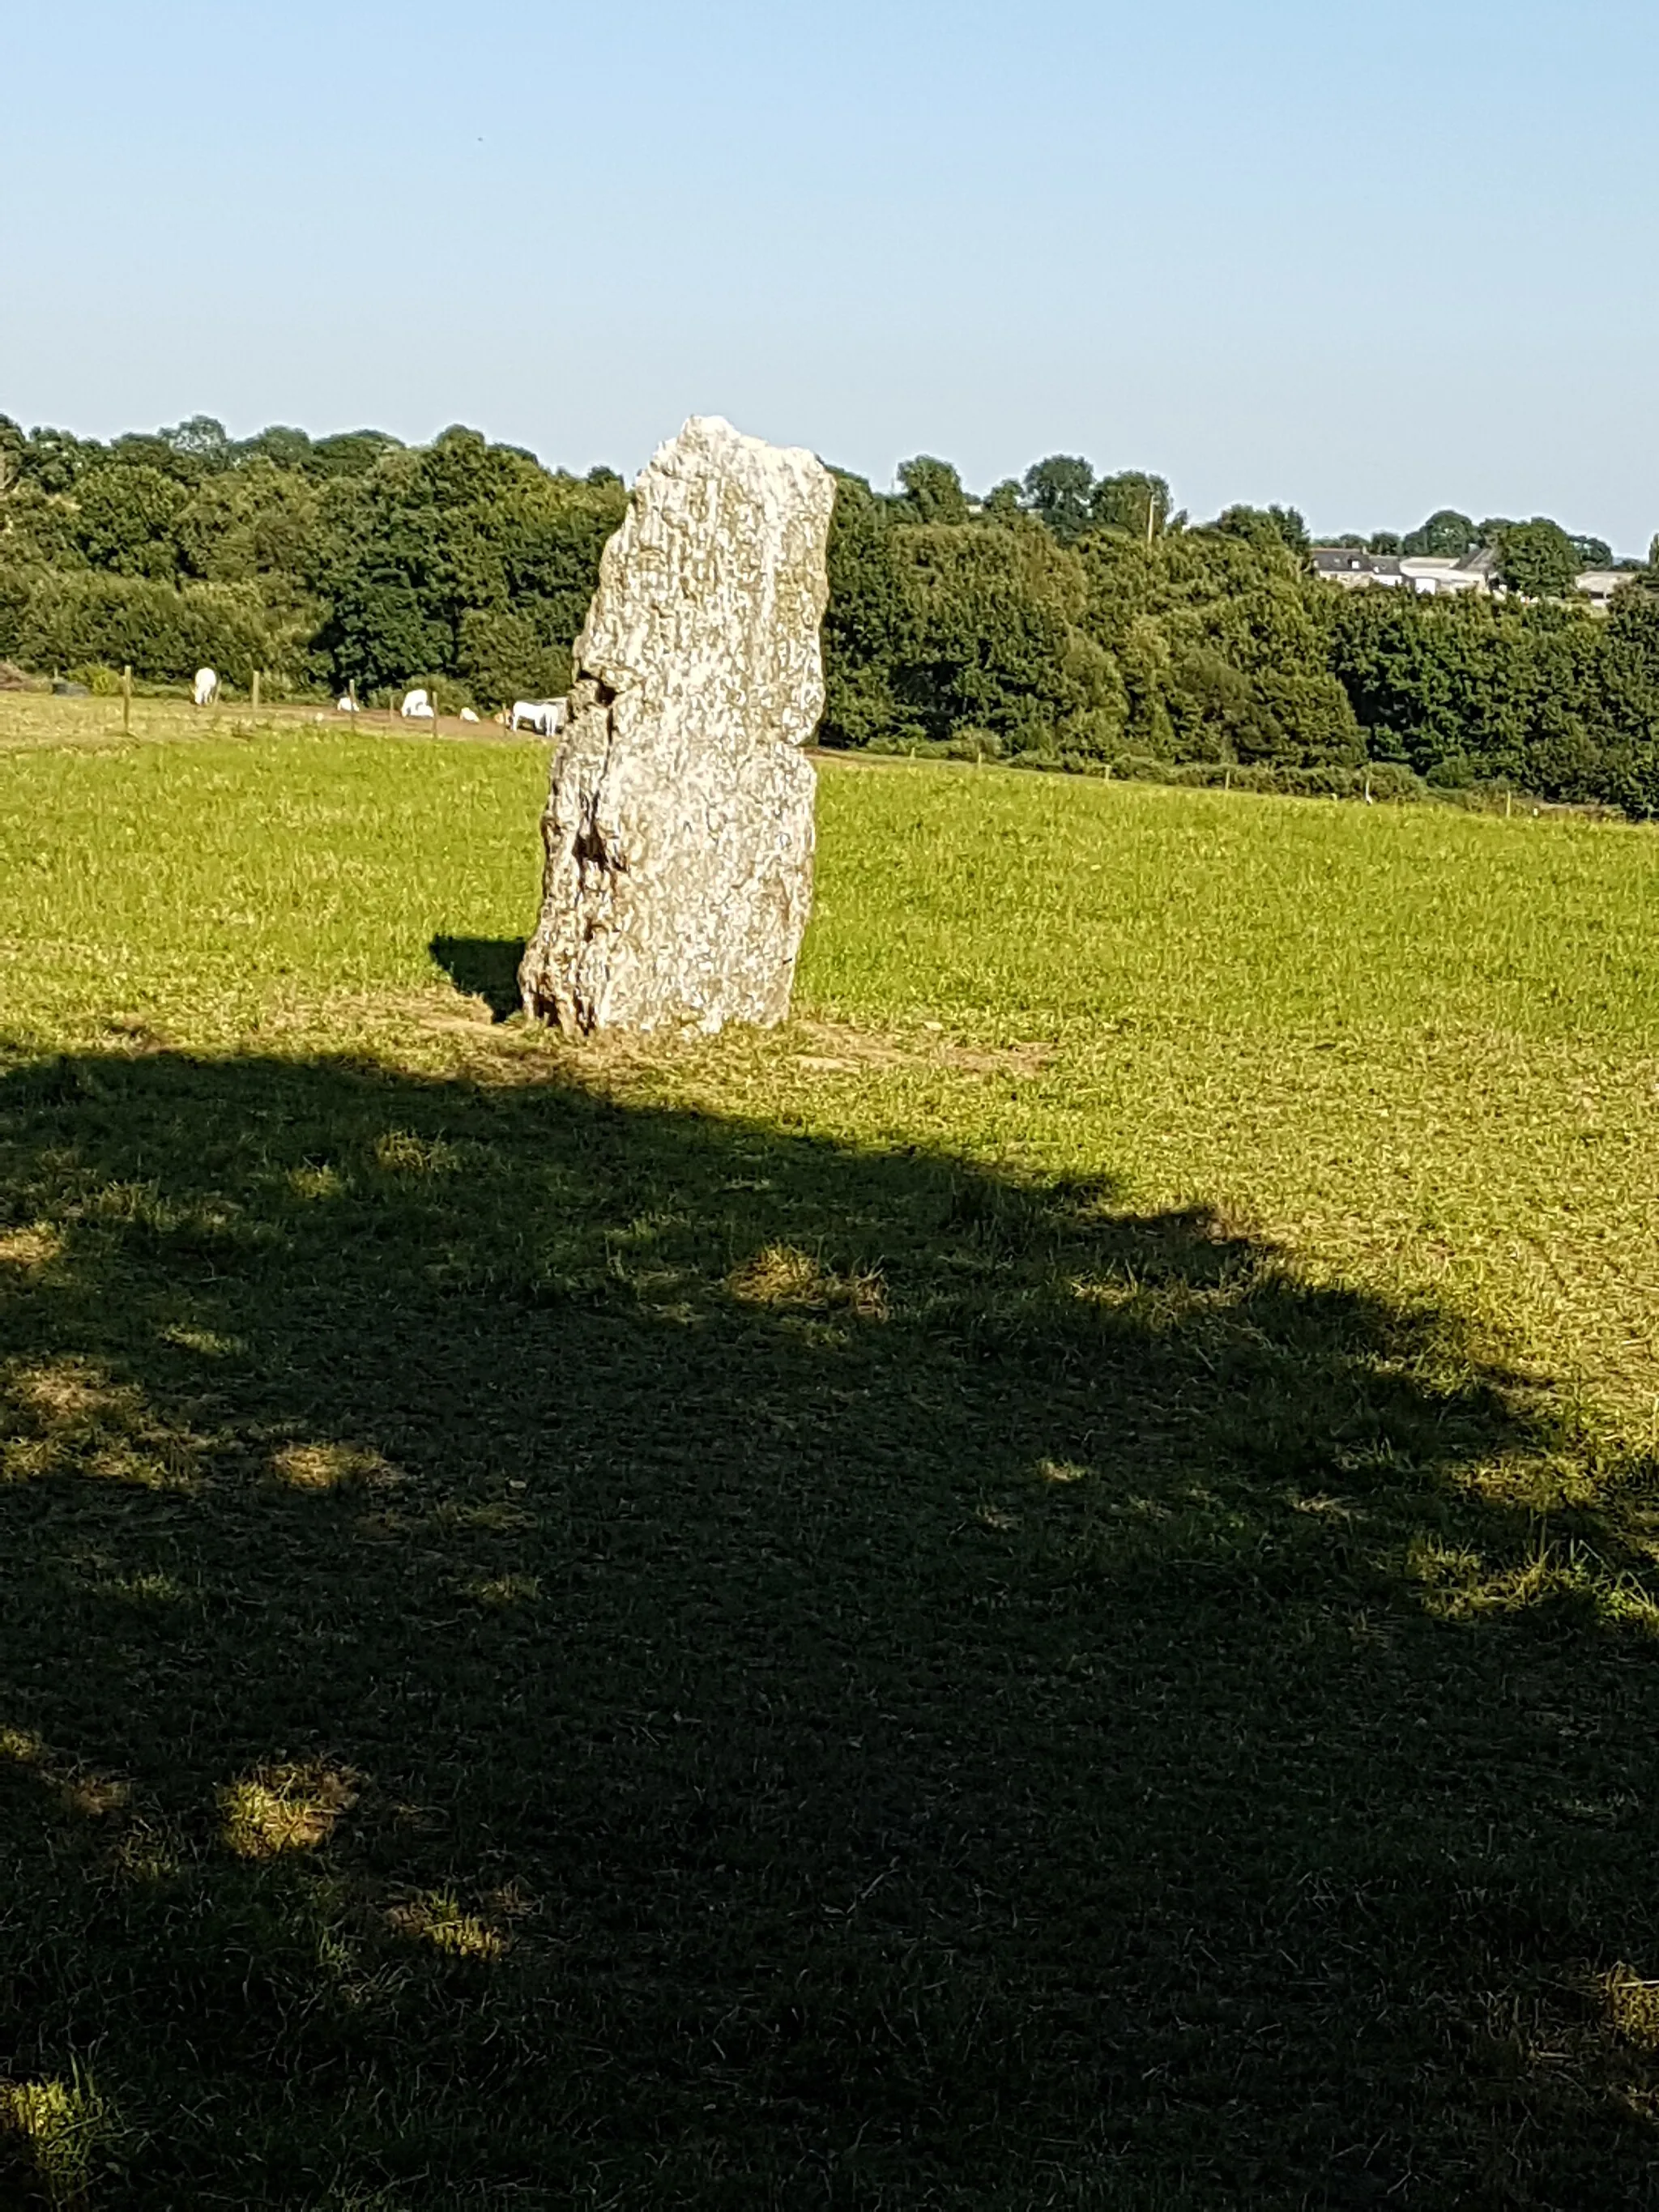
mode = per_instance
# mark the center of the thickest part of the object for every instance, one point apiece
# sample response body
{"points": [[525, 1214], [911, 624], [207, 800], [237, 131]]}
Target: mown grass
{"points": [[1038, 1589]]}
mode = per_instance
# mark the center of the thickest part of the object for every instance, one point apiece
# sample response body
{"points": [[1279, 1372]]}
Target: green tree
{"points": [[988, 639], [279, 445], [255, 522], [1265, 527], [127, 519], [351, 452], [149, 449], [932, 490], [1385, 542], [1446, 534], [57, 459], [1134, 502], [40, 529], [862, 624], [1220, 642], [1629, 682], [13, 461], [1593, 552], [1536, 560], [501, 656], [201, 440], [1541, 695], [165, 633], [14, 452], [965, 633], [404, 552], [1059, 492]]}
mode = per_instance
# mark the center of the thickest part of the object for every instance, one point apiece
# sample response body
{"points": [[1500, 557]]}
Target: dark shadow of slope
{"points": [[484, 968], [557, 1653]]}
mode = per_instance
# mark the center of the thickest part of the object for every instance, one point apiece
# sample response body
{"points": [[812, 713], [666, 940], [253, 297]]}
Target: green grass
{"points": [[1037, 1590]]}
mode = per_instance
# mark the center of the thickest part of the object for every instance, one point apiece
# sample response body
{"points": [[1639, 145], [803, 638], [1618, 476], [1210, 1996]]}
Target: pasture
{"points": [[1038, 1589]]}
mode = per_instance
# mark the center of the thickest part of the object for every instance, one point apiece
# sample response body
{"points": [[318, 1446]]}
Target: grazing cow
{"points": [[416, 705], [545, 716], [467, 714], [345, 704], [206, 688]]}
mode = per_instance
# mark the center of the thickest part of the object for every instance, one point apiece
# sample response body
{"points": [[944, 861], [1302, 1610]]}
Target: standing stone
{"points": [[679, 829]]}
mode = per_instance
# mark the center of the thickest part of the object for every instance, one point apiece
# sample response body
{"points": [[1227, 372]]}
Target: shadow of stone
{"points": [[571, 1651], [486, 967]]}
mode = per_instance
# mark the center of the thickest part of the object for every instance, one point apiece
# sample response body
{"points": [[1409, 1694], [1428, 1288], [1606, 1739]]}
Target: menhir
{"points": [[679, 829]]}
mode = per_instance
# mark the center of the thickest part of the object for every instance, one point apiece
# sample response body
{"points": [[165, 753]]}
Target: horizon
{"points": [[909, 230]]}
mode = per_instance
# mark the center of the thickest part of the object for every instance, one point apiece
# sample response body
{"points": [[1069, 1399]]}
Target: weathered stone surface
{"points": [[679, 829]]}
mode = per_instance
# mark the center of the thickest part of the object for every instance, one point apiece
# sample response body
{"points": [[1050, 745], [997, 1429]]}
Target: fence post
{"points": [[256, 690], [126, 701]]}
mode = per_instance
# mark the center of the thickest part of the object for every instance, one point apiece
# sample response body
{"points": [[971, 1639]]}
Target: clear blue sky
{"points": [[1367, 259]]}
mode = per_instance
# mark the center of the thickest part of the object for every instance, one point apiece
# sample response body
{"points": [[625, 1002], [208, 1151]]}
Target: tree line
{"points": [[1061, 620], [350, 559]]}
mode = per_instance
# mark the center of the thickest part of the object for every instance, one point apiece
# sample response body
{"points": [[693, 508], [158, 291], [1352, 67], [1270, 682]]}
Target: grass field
{"points": [[1039, 1589]]}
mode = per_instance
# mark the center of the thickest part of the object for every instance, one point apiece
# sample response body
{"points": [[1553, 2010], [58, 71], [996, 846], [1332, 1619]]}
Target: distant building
{"points": [[1599, 585], [1440, 575], [1432, 576], [1352, 567]]}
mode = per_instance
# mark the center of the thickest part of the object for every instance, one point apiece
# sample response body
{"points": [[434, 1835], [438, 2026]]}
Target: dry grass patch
{"points": [[30, 1248], [69, 1393], [439, 1921], [400, 1152], [75, 1417], [1632, 2002], [60, 2134], [506, 1589], [784, 1276], [78, 1789], [94, 1795], [331, 1467], [284, 1808]]}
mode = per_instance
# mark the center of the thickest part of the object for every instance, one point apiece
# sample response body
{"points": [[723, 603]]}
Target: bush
{"points": [[501, 658], [16, 587], [102, 682], [163, 632]]}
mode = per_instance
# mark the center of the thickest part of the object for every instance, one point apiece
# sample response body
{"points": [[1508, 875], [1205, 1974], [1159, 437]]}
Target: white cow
{"points": [[467, 714], [545, 715], [415, 706], [345, 704], [206, 688]]}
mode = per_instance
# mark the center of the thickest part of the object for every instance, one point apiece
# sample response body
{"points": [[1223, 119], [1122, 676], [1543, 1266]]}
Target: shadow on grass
{"points": [[563, 1653], [484, 968]]}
